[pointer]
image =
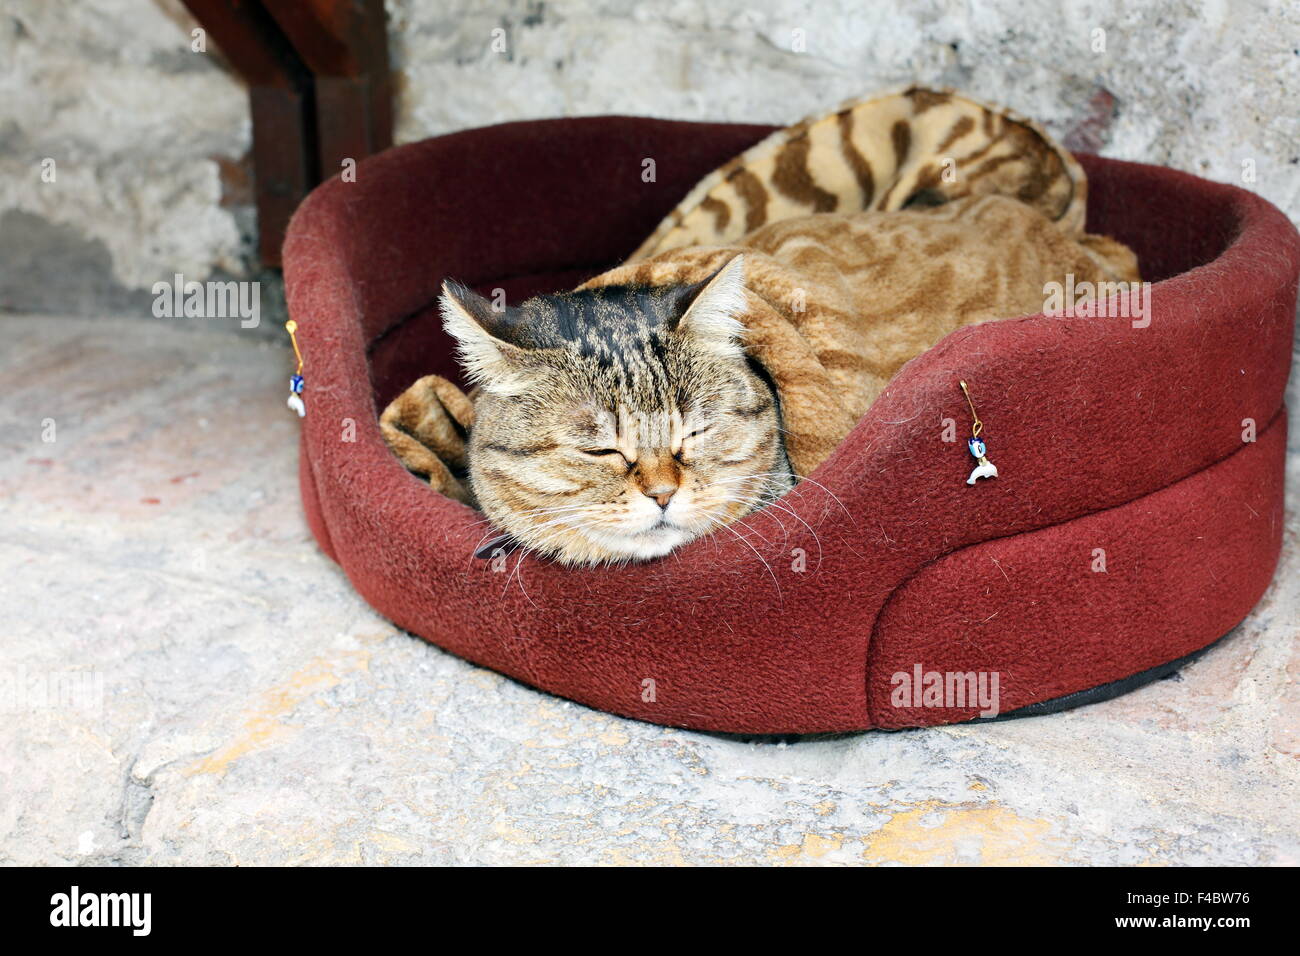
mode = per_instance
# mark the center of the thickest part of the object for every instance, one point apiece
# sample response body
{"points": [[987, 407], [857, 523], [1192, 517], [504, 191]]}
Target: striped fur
{"points": [[881, 153], [644, 424], [753, 328], [839, 302]]}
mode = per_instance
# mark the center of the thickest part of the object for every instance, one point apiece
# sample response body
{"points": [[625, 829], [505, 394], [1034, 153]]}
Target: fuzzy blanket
{"points": [[868, 234]]}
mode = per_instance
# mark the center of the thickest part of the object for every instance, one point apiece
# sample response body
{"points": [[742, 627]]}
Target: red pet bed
{"points": [[1135, 521]]}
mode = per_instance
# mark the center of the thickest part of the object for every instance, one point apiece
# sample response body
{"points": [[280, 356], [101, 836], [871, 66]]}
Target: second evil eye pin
{"points": [[984, 468]]}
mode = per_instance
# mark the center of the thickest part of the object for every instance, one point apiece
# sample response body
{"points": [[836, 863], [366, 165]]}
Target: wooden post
{"points": [[345, 45], [319, 93]]}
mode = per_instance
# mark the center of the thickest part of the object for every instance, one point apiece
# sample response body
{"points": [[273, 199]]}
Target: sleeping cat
{"points": [[672, 396], [616, 423]]}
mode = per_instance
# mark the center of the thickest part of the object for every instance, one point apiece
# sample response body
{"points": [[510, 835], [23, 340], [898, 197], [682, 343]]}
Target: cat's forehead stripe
{"points": [[616, 325]]}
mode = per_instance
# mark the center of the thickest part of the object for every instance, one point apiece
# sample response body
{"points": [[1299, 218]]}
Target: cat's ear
{"points": [[712, 319], [481, 333]]}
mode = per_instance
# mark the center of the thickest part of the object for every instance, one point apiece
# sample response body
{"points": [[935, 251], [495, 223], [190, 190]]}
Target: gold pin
{"points": [[296, 380], [984, 468]]}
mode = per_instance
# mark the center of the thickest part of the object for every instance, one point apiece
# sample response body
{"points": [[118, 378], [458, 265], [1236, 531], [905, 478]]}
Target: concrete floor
{"points": [[186, 679]]}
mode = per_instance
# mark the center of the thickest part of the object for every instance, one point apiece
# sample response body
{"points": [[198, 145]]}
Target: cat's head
{"points": [[617, 423]]}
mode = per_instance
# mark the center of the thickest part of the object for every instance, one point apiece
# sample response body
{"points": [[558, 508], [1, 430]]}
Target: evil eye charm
{"points": [[984, 468], [296, 382]]}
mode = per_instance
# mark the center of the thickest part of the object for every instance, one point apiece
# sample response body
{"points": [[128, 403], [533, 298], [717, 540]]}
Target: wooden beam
{"points": [[345, 45], [282, 104], [319, 92]]}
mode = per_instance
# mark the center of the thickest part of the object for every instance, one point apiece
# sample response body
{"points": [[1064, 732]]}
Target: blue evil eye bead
{"points": [[976, 446], [295, 384]]}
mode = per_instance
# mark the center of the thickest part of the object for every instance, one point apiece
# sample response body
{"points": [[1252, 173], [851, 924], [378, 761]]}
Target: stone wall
{"points": [[139, 129], [149, 140]]}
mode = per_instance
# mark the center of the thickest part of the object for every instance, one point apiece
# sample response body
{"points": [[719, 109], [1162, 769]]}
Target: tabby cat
{"points": [[743, 340], [669, 397], [616, 423]]}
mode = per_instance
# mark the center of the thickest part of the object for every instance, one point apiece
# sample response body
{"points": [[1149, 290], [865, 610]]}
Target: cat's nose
{"points": [[660, 493]]}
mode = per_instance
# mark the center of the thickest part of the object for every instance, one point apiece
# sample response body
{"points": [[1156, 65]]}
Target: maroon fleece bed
{"points": [[1117, 445]]}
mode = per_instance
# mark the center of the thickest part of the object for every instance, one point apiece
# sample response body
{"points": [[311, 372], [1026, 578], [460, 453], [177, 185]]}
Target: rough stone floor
{"points": [[188, 680]]}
